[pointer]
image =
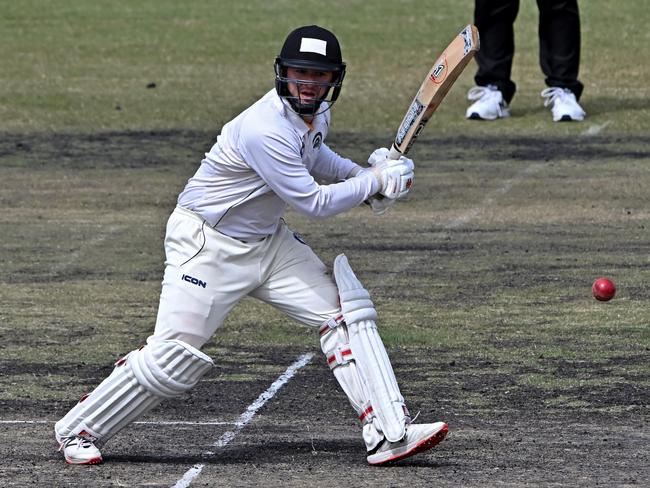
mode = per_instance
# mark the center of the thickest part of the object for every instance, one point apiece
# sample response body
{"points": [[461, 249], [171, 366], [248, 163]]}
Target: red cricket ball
{"points": [[603, 289]]}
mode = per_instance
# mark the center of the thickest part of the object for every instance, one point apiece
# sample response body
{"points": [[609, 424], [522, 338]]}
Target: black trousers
{"points": [[559, 43]]}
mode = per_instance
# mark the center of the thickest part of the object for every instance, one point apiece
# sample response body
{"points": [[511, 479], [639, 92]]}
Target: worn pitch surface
{"points": [[482, 282]]}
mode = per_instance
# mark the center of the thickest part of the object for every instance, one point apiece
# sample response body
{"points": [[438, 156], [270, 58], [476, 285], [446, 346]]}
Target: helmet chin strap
{"points": [[309, 109]]}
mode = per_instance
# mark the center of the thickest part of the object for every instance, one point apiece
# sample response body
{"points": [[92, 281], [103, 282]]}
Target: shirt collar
{"points": [[295, 119]]}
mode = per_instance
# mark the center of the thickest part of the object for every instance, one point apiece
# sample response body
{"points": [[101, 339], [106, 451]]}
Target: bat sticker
{"points": [[467, 40], [440, 71], [413, 113], [416, 133]]}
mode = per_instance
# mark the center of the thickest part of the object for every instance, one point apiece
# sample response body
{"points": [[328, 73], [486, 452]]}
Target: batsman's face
{"points": [[309, 85]]}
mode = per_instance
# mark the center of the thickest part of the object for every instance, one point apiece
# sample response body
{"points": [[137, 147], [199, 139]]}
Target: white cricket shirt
{"points": [[268, 158]]}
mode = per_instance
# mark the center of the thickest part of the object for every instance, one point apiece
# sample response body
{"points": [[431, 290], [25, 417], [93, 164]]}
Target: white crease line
{"points": [[490, 198], [246, 417], [152, 422], [595, 129], [72, 257], [488, 201]]}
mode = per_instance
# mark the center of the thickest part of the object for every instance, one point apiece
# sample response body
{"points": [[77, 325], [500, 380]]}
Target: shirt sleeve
{"points": [[329, 166], [276, 158]]}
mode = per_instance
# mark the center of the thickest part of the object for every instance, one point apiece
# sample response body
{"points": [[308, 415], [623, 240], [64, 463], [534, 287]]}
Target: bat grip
{"points": [[394, 153]]}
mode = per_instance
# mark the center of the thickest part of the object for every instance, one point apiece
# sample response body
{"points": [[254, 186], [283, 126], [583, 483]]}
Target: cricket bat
{"points": [[441, 77]]}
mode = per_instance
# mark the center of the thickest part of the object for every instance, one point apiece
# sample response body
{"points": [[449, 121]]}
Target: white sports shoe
{"points": [[489, 104], [418, 438], [564, 105], [78, 450]]}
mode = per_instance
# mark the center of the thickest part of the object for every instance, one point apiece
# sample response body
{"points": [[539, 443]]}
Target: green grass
{"points": [[85, 66]]}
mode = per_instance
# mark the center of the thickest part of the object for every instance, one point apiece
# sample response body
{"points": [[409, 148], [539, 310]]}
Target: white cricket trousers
{"points": [[207, 273]]}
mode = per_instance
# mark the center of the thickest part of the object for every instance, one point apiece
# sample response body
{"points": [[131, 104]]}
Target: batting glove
{"points": [[395, 176], [380, 205]]}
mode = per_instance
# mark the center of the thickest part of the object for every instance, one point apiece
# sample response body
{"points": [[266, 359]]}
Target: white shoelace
{"points": [[70, 441], [554, 93], [478, 92]]}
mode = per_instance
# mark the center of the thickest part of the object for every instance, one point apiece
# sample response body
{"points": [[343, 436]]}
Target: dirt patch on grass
{"points": [[137, 149], [502, 432], [516, 419]]}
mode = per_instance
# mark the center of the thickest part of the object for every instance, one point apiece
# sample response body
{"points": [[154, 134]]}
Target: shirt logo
{"points": [[318, 140]]}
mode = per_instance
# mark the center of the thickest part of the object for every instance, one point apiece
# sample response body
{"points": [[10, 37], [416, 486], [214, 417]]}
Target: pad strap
{"points": [[335, 345], [340, 356]]}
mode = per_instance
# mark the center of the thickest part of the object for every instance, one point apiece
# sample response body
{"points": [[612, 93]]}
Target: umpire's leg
{"points": [[559, 43], [495, 22]]}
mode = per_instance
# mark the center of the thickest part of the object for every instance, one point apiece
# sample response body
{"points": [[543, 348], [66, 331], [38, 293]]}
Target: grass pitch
{"points": [[80, 67]]}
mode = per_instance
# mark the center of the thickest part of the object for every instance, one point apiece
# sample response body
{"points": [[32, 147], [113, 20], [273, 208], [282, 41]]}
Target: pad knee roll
{"points": [[169, 368], [138, 383]]}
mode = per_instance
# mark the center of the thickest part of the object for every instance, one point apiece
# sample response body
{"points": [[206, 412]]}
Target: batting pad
{"points": [[139, 382], [370, 354]]}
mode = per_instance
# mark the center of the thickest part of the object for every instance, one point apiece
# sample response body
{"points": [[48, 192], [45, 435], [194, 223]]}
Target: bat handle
{"points": [[394, 153]]}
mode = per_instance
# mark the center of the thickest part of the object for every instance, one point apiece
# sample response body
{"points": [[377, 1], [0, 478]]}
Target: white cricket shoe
{"points": [[79, 450], [418, 438], [564, 105], [489, 103]]}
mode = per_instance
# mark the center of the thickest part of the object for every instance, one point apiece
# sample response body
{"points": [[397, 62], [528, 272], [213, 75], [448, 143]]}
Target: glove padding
{"points": [[395, 176]]}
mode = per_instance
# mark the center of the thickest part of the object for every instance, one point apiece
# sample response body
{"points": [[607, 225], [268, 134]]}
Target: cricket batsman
{"points": [[226, 239]]}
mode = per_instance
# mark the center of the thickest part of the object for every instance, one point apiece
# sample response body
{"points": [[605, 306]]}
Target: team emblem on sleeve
{"points": [[318, 140]]}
